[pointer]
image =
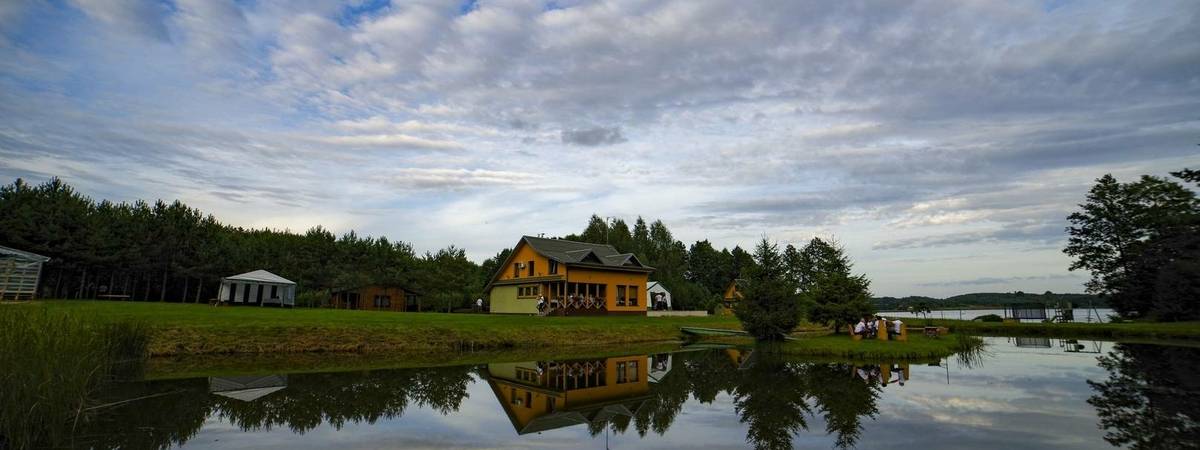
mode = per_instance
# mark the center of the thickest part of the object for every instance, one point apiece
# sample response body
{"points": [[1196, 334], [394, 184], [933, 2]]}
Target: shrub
{"points": [[989, 318]]}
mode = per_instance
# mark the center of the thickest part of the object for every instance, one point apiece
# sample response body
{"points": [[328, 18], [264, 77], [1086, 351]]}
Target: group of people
{"points": [[869, 328]]}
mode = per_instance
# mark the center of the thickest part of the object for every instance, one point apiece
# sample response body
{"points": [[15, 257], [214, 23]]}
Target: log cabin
{"points": [[732, 296], [377, 297], [574, 278]]}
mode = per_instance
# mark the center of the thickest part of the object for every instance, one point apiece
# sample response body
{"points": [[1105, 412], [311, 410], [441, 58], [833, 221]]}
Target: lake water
{"points": [[1023, 393], [1085, 315]]}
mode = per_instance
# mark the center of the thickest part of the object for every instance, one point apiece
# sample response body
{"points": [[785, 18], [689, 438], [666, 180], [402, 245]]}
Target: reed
{"points": [[50, 365]]}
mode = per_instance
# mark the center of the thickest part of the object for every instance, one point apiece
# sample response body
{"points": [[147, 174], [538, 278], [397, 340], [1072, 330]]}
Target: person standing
{"points": [[479, 304]]}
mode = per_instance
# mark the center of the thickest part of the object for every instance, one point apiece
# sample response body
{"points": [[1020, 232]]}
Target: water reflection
{"points": [[1151, 397], [693, 398]]}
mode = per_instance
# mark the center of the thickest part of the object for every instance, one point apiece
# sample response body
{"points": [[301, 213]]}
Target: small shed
{"points": [[20, 273], [257, 288], [660, 297]]}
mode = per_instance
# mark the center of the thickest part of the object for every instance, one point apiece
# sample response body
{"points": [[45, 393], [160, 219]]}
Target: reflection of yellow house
{"points": [[572, 277], [732, 296], [545, 395]]}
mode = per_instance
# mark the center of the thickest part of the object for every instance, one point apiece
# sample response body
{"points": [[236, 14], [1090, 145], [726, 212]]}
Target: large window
{"points": [[531, 272], [553, 268], [633, 295], [627, 372], [620, 295], [516, 270]]}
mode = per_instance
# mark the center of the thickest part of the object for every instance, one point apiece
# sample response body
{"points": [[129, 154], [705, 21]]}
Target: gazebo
{"points": [[19, 274], [257, 288], [655, 291]]}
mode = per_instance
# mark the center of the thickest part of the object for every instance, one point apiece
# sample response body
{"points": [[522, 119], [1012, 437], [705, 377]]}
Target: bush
{"points": [[989, 318]]}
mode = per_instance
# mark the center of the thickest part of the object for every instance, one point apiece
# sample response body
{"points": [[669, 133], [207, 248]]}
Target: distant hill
{"points": [[987, 299]]}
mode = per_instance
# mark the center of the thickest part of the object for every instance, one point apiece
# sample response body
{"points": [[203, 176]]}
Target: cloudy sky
{"points": [[943, 142]]}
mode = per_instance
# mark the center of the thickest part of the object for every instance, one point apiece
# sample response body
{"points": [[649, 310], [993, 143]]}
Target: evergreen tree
{"points": [[832, 294], [770, 308]]}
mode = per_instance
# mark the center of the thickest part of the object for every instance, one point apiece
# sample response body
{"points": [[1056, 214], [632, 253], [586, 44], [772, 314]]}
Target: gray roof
{"points": [[260, 276], [573, 252], [12, 252]]}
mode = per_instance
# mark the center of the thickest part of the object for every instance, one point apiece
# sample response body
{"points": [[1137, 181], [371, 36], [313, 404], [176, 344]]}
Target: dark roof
{"points": [[583, 253]]}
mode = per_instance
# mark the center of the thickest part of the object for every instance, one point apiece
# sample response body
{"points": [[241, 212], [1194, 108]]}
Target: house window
{"points": [[528, 291], [383, 301], [528, 399], [621, 368], [515, 400], [620, 295], [410, 301], [531, 268], [553, 269], [633, 296], [633, 371], [274, 291], [516, 270]]}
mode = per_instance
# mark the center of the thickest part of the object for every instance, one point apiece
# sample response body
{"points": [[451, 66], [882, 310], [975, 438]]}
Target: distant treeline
{"points": [[986, 299], [172, 252]]}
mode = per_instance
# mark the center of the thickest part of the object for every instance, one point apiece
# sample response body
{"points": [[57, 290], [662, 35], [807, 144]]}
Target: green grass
{"points": [[187, 329], [51, 363], [1142, 330]]}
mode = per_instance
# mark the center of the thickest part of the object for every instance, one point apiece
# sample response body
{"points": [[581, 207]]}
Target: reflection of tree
{"points": [[173, 411], [843, 399], [1149, 400], [772, 400], [338, 398], [666, 400]]}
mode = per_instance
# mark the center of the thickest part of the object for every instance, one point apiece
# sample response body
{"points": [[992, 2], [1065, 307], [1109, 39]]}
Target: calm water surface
{"points": [[1085, 315], [1025, 393]]}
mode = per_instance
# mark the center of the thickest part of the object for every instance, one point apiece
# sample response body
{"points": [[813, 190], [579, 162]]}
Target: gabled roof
{"points": [[6, 251], [574, 252], [652, 284], [260, 276]]}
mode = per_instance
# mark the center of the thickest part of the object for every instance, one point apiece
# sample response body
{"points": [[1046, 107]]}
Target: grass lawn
{"points": [[179, 329]]}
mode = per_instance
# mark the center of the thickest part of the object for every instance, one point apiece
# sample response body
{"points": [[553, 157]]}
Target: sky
{"points": [[943, 143]]}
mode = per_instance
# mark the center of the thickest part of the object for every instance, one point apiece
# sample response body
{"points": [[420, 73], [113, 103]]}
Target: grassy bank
{"points": [[51, 363], [839, 347], [185, 329], [1114, 331]]}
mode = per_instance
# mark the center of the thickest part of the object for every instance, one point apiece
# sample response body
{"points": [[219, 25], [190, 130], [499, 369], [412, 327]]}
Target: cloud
{"points": [[851, 119], [391, 141], [414, 178], [593, 137], [1002, 281]]}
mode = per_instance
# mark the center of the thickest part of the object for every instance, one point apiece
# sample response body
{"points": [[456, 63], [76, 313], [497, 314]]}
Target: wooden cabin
{"points": [[376, 297], [544, 395], [20, 273], [732, 296], [574, 278]]}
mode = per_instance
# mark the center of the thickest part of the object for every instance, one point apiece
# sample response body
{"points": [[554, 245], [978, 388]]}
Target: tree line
{"points": [[172, 252]]}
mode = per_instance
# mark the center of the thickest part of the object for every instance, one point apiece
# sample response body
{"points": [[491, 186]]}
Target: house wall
{"points": [[503, 300], [19, 278], [524, 254], [633, 280]]}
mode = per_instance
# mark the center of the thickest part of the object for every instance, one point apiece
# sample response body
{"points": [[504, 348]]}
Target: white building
{"points": [[257, 288], [656, 293]]}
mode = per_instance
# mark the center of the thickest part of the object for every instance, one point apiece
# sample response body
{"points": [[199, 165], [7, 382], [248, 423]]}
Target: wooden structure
{"points": [[259, 288], [544, 395], [574, 278], [732, 296], [20, 273], [376, 297]]}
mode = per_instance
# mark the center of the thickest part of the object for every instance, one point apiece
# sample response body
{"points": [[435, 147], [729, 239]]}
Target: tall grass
{"points": [[50, 365]]}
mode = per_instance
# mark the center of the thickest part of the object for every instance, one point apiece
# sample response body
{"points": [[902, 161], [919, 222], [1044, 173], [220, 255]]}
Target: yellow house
{"points": [[574, 278], [732, 296], [543, 395]]}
